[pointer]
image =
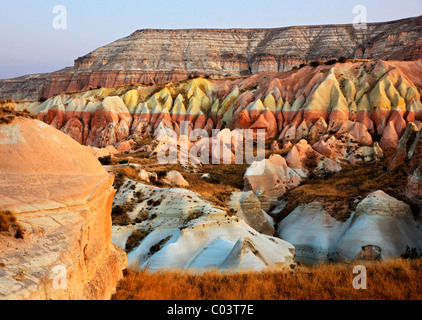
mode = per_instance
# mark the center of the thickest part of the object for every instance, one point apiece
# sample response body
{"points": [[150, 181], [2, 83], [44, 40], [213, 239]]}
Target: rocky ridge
{"points": [[369, 101], [145, 56]]}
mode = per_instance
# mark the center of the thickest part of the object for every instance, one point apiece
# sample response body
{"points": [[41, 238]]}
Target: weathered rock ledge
{"points": [[62, 198]]}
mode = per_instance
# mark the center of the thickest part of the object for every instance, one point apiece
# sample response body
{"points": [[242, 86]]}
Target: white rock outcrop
{"points": [[383, 221], [381, 224], [187, 232], [312, 230]]}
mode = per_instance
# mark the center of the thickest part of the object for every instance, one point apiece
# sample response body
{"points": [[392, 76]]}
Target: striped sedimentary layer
{"points": [[372, 101], [145, 57]]}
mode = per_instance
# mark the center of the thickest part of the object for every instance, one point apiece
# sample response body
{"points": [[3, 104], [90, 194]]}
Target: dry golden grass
{"points": [[7, 114], [393, 280]]}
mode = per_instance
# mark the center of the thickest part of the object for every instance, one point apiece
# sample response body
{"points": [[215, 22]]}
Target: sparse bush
{"points": [[135, 239], [330, 62], [193, 216], [154, 203], [119, 214], [7, 219], [411, 253], [8, 223], [142, 216], [7, 115], [159, 245], [105, 160], [161, 173], [341, 60], [315, 63]]}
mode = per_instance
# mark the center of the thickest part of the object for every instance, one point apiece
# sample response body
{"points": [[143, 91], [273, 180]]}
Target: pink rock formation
{"points": [[377, 98], [360, 133], [270, 179], [243, 121], [404, 147], [300, 152], [389, 137], [267, 122]]}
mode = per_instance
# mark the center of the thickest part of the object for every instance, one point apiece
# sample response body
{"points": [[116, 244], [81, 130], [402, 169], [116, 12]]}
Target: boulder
{"points": [[270, 179], [174, 178], [275, 146], [366, 154], [125, 146]]}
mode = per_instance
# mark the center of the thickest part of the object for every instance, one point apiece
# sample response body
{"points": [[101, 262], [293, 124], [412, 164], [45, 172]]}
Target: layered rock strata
{"points": [[368, 101], [158, 56]]}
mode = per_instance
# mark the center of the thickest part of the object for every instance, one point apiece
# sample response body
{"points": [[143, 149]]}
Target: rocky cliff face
{"points": [[371, 101], [61, 197], [159, 56]]}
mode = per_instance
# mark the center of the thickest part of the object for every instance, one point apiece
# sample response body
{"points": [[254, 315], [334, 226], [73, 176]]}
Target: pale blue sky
{"points": [[29, 43]]}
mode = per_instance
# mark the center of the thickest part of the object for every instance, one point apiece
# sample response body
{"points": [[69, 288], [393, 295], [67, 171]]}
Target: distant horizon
{"points": [[30, 45], [282, 27]]}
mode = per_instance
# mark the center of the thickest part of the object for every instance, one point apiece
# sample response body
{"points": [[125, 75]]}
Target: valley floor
{"points": [[391, 280]]}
